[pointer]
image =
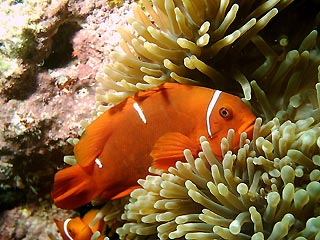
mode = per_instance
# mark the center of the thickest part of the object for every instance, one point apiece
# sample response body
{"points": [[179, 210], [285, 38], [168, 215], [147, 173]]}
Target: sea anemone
{"points": [[268, 187], [189, 43]]}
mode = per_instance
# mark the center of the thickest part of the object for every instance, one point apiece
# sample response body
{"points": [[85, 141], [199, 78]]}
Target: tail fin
{"points": [[73, 188]]}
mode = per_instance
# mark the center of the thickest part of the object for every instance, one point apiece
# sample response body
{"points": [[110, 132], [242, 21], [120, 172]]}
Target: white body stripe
{"points": [[140, 112], [211, 106], [65, 225], [98, 162]]}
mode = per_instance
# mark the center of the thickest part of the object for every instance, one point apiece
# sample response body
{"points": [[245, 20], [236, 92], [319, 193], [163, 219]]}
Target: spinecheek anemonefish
{"points": [[151, 128], [79, 228]]}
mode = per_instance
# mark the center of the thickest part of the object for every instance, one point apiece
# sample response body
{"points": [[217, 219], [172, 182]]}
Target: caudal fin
{"points": [[73, 188]]}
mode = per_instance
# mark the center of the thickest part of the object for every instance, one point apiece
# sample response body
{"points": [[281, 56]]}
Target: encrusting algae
{"points": [[268, 188]]}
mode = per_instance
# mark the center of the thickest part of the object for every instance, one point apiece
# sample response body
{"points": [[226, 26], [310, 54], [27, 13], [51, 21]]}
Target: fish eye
{"points": [[225, 113]]}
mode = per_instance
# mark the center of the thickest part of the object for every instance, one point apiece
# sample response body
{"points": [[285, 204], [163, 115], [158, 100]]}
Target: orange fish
{"points": [[79, 228], [153, 127]]}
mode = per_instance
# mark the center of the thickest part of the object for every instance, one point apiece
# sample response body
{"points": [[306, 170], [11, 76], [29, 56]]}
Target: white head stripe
{"points": [[65, 225], [212, 103], [140, 112]]}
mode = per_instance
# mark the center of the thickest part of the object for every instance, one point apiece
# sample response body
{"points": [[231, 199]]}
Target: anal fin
{"points": [[125, 193]]}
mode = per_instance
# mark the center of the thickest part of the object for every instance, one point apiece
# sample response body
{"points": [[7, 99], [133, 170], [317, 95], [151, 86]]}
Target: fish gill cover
{"points": [[267, 189]]}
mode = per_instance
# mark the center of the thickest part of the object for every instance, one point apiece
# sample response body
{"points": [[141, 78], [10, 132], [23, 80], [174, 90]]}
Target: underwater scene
{"points": [[159, 119]]}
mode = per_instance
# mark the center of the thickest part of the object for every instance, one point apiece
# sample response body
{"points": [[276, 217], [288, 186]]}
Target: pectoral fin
{"points": [[169, 149]]}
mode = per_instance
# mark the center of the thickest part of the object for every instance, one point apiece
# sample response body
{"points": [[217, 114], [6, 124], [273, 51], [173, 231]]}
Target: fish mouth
{"points": [[248, 128]]}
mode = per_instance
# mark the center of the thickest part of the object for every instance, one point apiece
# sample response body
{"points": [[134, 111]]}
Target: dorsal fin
{"points": [[160, 88], [97, 133], [93, 140]]}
